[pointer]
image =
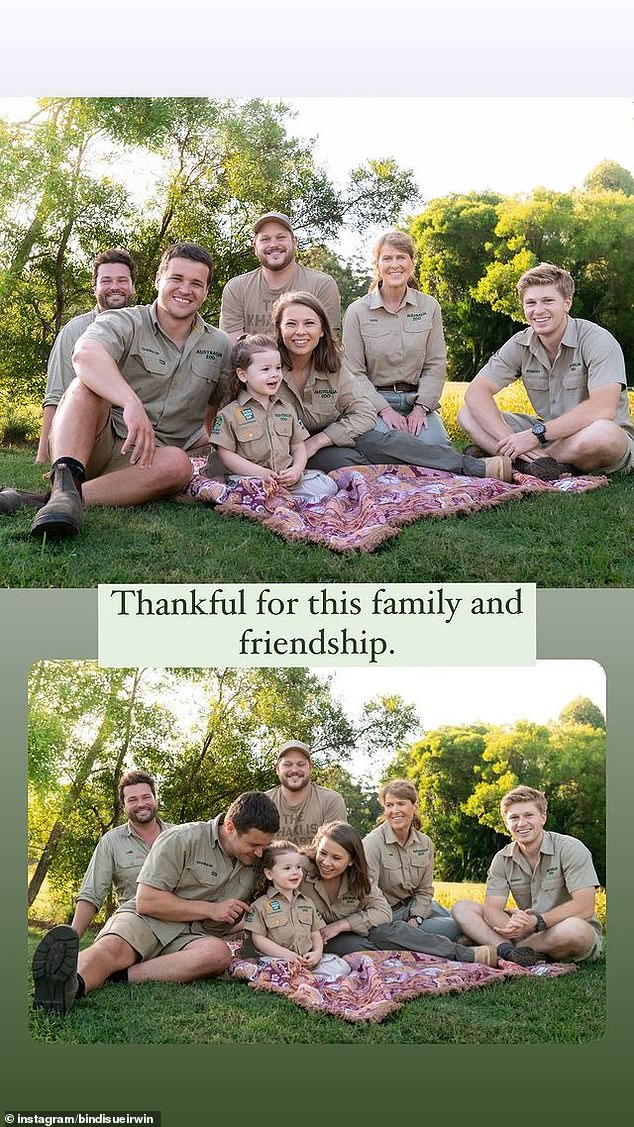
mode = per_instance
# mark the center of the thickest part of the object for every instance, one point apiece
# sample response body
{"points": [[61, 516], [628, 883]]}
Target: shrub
{"points": [[19, 422]]}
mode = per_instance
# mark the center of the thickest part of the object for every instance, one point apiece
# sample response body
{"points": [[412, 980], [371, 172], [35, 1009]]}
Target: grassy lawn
{"points": [[554, 541], [566, 1009]]}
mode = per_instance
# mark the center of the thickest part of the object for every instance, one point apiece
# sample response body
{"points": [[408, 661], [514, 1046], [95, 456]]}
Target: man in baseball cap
{"points": [[303, 806], [247, 300]]}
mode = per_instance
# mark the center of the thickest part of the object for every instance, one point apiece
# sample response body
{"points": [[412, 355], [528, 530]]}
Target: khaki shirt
{"points": [[189, 861], [565, 865], [247, 300], [403, 347], [287, 922], [60, 372], [117, 860], [336, 403], [361, 912], [299, 824], [402, 872], [264, 435], [174, 386], [588, 357]]}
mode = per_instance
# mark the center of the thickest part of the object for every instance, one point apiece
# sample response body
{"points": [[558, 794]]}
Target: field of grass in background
{"points": [[566, 1009], [551, 540]]}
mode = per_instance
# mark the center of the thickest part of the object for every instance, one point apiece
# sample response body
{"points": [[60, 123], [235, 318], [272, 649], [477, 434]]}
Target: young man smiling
{"points": [[552, 879], [303, 806], [574, 374], [162, 365], [247, 300]]}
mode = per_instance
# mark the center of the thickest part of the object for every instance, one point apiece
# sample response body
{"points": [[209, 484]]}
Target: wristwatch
{"points": [[541, 924], [418, 919], [539, 430]]}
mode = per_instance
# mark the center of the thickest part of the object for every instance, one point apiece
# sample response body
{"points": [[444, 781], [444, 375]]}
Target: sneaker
{"points": [[546, 469], [523, 956], [13, 499], [486, 955], [499, 467], [55, 970]]}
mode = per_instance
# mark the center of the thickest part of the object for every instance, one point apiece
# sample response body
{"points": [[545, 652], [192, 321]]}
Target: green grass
{"points": [[551, 540], [566, 1009]]}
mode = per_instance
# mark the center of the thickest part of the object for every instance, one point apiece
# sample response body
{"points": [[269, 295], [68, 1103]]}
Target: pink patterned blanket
{"points": [[372, 504], [381, 981]]}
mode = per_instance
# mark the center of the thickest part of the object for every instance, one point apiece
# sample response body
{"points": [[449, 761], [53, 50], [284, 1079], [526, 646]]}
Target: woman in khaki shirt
{"points": [[401, 862], [335, 406], [358, 917], [394, 336]]}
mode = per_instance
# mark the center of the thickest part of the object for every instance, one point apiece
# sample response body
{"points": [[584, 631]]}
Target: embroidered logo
{"points": [[247, 414], [274, 906], [217, 424]]}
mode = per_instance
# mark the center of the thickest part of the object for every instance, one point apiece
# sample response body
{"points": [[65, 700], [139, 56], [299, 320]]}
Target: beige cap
{"points": [[293, 745], [270, 217]]}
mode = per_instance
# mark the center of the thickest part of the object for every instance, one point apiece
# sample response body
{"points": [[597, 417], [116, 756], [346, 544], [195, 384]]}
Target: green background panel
{"points": [[198, 1084]]}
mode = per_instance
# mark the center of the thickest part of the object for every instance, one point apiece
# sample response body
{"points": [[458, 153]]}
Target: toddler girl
{"points": [[284, 924], [258, 434]]}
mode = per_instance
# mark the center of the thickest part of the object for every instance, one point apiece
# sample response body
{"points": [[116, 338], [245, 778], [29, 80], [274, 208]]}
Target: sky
{"points": [[459, 695]]}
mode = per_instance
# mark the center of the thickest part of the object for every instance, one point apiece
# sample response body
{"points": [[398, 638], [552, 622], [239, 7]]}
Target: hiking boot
{"points": [[546, 469], [486, 955], [499, 467], [63, 514], [13, 499], [55, 970], [523, 956]]}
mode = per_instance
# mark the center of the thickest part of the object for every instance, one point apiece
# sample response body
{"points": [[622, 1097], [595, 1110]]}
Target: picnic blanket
{"points": [[372, 502], [381, 981]]}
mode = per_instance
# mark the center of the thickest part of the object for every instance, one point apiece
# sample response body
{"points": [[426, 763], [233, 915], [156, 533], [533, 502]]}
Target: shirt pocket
{"points": [[204, 369], [283, 427], [145, 363], [253, 432], [575, 381], [274, 920], [536, 381]]}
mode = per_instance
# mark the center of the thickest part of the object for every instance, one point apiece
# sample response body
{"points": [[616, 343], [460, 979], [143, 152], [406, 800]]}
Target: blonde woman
{"points": [[394, 336]]}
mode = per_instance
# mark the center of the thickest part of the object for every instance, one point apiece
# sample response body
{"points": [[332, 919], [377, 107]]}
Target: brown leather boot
{"points": [[63, 515], [13, 499]]}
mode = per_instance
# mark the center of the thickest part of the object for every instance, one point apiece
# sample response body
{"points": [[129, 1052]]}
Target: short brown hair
{"points": [[194, 251], [253, 810], [546, 274], [401, 788], [132, 778], [114, 254], [400, 241], [523, 794]]}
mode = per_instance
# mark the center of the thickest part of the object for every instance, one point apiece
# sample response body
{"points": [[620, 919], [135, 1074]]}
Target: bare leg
{"points": [[469, 916], [204, 958], [602, 443], [569, 939], [98, 962], [170, 472]]}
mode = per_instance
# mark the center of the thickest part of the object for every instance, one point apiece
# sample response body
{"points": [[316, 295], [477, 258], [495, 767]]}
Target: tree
{"points": [[583, 711], [609, 176]]}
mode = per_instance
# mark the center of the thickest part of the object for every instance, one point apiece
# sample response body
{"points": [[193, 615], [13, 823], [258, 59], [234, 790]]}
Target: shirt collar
{"points": [[376, 298]]}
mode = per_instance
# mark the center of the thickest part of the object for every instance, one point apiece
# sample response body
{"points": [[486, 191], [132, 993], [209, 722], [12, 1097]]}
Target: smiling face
{"points": [[263, 376], [394, 267], [139, 803], [293, 771], [301, 330], [182, 288], [246, 847], [275, 246], [525, 823], [331, 859], [286, 872], [546, 311], [114, 288], [399, 813]]}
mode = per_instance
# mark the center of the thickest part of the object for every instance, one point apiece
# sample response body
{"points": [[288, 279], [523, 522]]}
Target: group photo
{"points": [[206, 324], [422, 859]]}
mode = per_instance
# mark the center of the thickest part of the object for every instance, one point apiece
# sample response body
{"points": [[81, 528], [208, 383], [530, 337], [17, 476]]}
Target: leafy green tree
{"points": [[609, 176], [582, 710]]}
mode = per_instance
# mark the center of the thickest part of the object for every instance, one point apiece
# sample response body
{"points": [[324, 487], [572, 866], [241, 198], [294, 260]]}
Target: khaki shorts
{"points": [[106, 456], [518, 422], [135, 931], [594, 951]]}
